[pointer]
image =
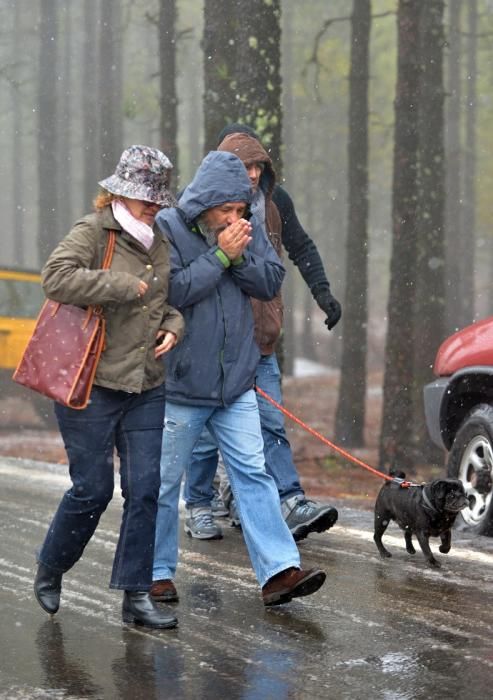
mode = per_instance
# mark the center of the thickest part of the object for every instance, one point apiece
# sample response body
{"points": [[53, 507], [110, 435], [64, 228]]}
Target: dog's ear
{"points": [[455, 485], [439, 489]]}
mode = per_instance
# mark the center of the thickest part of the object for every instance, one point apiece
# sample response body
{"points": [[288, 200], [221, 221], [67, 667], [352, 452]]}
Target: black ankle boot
{"points": [[138, 607], [47, 588]]}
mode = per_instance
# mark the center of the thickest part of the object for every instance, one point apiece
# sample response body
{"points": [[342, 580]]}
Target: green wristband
{"points": [[223, 257]]}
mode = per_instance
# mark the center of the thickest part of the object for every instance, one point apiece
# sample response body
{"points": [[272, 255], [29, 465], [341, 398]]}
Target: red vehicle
{"points": [[459, 416]]}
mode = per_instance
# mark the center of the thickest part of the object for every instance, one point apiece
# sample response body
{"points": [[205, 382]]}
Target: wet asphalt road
{"points": [[390, 629]]}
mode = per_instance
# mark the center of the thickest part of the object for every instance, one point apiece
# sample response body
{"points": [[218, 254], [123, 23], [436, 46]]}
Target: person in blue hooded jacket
{"points": [[218, 261]]}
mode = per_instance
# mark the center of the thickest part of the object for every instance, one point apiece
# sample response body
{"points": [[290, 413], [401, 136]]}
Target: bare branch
{"points": [[314, 59], [152, 18], [183, 34]]}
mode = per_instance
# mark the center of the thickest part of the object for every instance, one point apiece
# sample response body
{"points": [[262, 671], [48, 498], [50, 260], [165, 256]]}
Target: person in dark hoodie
{"points": [[301, 514], [301, 249], [219, 261]]}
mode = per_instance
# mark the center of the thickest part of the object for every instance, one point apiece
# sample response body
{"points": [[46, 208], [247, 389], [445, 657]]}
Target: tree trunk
{"points": [[453, 212], [307, 340], [18, 144], [398, 418], [110, 87], [90, 110], [258, 72], [47, 137], [168, 130], [429, 329], [469, 203], [350, 417], [242, 70], [288, 292], [220, 47], [65, 181]]}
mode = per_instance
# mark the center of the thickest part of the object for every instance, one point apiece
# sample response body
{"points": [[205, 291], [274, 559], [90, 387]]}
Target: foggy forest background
{"points": [[377, 115]]}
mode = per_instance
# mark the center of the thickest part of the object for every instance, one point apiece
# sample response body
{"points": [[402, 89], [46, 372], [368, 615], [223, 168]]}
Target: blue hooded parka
{"points": [[216, 361]]}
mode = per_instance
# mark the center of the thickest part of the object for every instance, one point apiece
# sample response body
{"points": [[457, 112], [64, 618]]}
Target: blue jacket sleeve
{"points": [[261, 272], [191, 283]]}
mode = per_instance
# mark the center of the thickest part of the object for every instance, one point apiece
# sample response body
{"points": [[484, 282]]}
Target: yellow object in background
{"points": [[21, 298]]}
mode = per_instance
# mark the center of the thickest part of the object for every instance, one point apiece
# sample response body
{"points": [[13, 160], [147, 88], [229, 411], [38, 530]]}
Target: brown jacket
{"points": [[268, 315], [71, 276]]}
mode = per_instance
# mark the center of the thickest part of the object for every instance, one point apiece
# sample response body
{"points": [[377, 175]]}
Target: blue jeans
{"points": [[134, 424], [237, 430], [277, 450]]}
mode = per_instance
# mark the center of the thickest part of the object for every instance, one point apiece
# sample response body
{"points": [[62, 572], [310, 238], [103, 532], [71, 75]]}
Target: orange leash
{"points": [[326, 441]]}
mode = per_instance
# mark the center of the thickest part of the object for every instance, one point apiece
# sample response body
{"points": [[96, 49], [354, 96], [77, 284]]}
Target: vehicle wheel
{"points": [[471, 461]]}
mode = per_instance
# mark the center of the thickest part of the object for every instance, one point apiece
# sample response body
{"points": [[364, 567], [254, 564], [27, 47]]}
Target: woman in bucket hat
{"points": [[126, 409]]}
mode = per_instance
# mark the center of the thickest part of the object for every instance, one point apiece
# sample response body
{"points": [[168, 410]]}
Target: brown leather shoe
{"points": [[164, 591], [291, 583]]}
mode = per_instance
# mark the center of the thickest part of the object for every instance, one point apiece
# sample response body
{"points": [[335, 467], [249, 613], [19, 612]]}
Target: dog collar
{"points": [[426, 501]]}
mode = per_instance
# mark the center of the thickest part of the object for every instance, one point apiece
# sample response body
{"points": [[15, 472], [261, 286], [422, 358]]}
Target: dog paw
{"points": [[385, 554], [444, 549], [434, 563]]}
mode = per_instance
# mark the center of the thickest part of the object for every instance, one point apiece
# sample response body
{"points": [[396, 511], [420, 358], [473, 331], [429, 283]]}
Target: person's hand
{"points": [[142, 288], [165, 341], [330, 306], [235, 238]]}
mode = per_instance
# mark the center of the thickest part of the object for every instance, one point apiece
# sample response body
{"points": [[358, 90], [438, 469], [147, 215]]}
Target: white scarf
{"points": [[138, 229]]}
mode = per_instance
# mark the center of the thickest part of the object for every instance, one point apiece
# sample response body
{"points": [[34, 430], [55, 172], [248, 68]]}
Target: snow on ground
{"points": [[304, 367]]}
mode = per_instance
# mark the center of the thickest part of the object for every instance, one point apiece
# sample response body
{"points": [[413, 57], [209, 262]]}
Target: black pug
{"points": [[428, 510]]}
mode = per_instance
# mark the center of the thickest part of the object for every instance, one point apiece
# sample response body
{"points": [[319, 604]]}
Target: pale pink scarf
{"points": [[138, 229]]}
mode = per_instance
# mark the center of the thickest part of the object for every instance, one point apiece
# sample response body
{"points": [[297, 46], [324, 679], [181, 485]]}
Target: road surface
{"points": [[392, 629]]}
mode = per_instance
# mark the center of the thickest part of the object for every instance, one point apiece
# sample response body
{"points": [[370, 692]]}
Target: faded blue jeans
{"points": [[279, 462], [236, 429], [134, 424]]}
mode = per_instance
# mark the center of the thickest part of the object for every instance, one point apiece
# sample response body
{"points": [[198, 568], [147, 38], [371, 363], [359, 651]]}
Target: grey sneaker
{"points": [[201, 526], [303, 516], [233, 515], [218, 506]]}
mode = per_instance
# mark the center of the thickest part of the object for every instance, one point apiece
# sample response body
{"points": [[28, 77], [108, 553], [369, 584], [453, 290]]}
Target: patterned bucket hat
{"points": [[142, 173]]}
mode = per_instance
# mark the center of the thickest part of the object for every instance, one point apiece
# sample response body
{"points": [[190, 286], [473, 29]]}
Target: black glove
{"points": [[329, 306]]}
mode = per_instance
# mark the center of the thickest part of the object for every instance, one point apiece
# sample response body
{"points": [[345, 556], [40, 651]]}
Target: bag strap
{"points": [[108, 257], [108, 253]]}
